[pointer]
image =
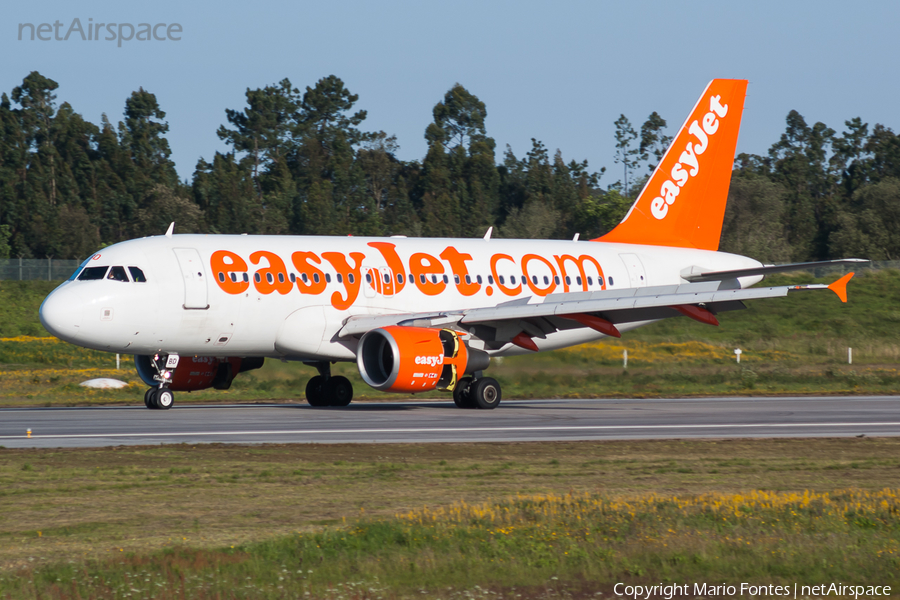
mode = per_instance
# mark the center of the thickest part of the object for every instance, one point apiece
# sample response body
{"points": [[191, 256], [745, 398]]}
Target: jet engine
{"points": [[198, 372], [416, 359]]}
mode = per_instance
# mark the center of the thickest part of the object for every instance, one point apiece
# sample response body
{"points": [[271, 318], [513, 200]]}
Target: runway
{"points": [[411, 422]]}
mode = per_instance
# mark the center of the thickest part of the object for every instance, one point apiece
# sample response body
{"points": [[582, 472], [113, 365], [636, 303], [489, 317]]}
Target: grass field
{"points": [[538, 519]]}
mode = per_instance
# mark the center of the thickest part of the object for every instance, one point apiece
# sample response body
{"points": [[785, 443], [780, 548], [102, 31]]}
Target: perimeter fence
{"points": [[48, 269]]}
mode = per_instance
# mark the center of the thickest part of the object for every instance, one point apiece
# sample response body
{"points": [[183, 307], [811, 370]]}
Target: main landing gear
{"points": [[161, 397], [327, 390], [483, 392]]}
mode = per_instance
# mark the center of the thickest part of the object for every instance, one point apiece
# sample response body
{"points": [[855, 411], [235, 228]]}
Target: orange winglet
{"points": [[523, 340], [596, 323], [839, 287], [697, 313]]}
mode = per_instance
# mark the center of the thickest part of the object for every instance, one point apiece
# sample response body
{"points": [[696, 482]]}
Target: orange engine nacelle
{"points": [[415, 359], [198, 372]]}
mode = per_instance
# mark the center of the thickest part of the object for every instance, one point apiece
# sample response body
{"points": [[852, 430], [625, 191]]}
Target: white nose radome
{"points": [[62, 313]]}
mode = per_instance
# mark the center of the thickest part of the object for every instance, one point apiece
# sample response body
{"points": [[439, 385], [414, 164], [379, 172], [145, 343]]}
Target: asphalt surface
{"points": [[396, 422]]}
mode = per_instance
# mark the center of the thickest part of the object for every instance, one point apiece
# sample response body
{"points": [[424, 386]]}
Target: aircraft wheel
{"points": [[462, 396], [315, 391], [148, 398], [339, 391], [486, 393], [164, 399]]}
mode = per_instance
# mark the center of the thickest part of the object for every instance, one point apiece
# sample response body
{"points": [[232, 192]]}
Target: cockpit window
{"points": [[137, 275], [92, 273], [74, 275], [118, 274]]}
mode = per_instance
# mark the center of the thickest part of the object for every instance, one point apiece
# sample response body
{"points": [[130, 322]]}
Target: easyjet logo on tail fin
{"points": [[688, 164], [683, 203]]}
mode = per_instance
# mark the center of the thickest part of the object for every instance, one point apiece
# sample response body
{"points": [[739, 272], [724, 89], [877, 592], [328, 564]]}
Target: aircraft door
{"points": [[370, 281], [193, 275], [635, 268], [387, 281]]}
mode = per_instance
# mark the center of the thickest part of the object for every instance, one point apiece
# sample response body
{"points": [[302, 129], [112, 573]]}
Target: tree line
{"points": [[302, 162]]}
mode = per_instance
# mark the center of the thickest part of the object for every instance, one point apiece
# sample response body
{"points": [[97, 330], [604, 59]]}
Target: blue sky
{"points": [[561, 73]]}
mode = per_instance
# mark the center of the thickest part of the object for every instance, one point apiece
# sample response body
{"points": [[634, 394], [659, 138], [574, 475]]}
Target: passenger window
{"points": [[421, 278], [433, 278], [368, 278], [610, 280], [590, 280], [491, 279], [246, 278], [257, 278], [568, 280], [316, 277], [293, 278], [221, 276], [327, 277], [500, 277], [556, 279], [534, 279], [478, 279], [340, 278], [400, 278], [446, 279], [281, 278], [456, 279], [138, 275], [305, 279], [468, 279], [512, 280], [546, 280], [269, 278], [387, 278], [118, 274], [351, 278], [92, 273], [578, 280]]}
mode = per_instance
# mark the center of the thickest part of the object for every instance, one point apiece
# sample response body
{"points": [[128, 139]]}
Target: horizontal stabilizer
{"points": [[696, 274]]}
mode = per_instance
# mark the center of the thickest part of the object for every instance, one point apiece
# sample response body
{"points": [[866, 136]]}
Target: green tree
{"points": [[753, 224], [628, 156], [265, 129], [871, 229], [5, 234], [142, 136], [653, 142], [799, 163], [468, 156], [37, 100]]}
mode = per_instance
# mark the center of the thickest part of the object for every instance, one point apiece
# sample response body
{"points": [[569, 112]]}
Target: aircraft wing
{"points": [[696, 274], [601, 310]]}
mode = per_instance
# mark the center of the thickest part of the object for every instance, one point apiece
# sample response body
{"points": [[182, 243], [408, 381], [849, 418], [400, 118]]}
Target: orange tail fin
{"points": [[683, 203]]}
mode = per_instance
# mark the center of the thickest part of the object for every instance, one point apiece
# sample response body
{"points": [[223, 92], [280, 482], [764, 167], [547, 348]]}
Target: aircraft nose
{"points": [[62, 314]]}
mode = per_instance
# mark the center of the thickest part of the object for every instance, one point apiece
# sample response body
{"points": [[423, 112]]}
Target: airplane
{"points": [[424, 313]]}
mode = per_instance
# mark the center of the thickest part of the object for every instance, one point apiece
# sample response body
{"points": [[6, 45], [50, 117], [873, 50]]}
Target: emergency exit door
{"points": [[635, 268]]}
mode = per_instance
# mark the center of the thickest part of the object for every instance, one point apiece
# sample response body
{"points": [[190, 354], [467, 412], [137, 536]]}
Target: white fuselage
{"points": [[288, 296]]}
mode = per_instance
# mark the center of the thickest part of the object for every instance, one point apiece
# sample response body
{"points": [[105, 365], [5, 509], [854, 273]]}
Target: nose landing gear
{"points": [[161, 398]]}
